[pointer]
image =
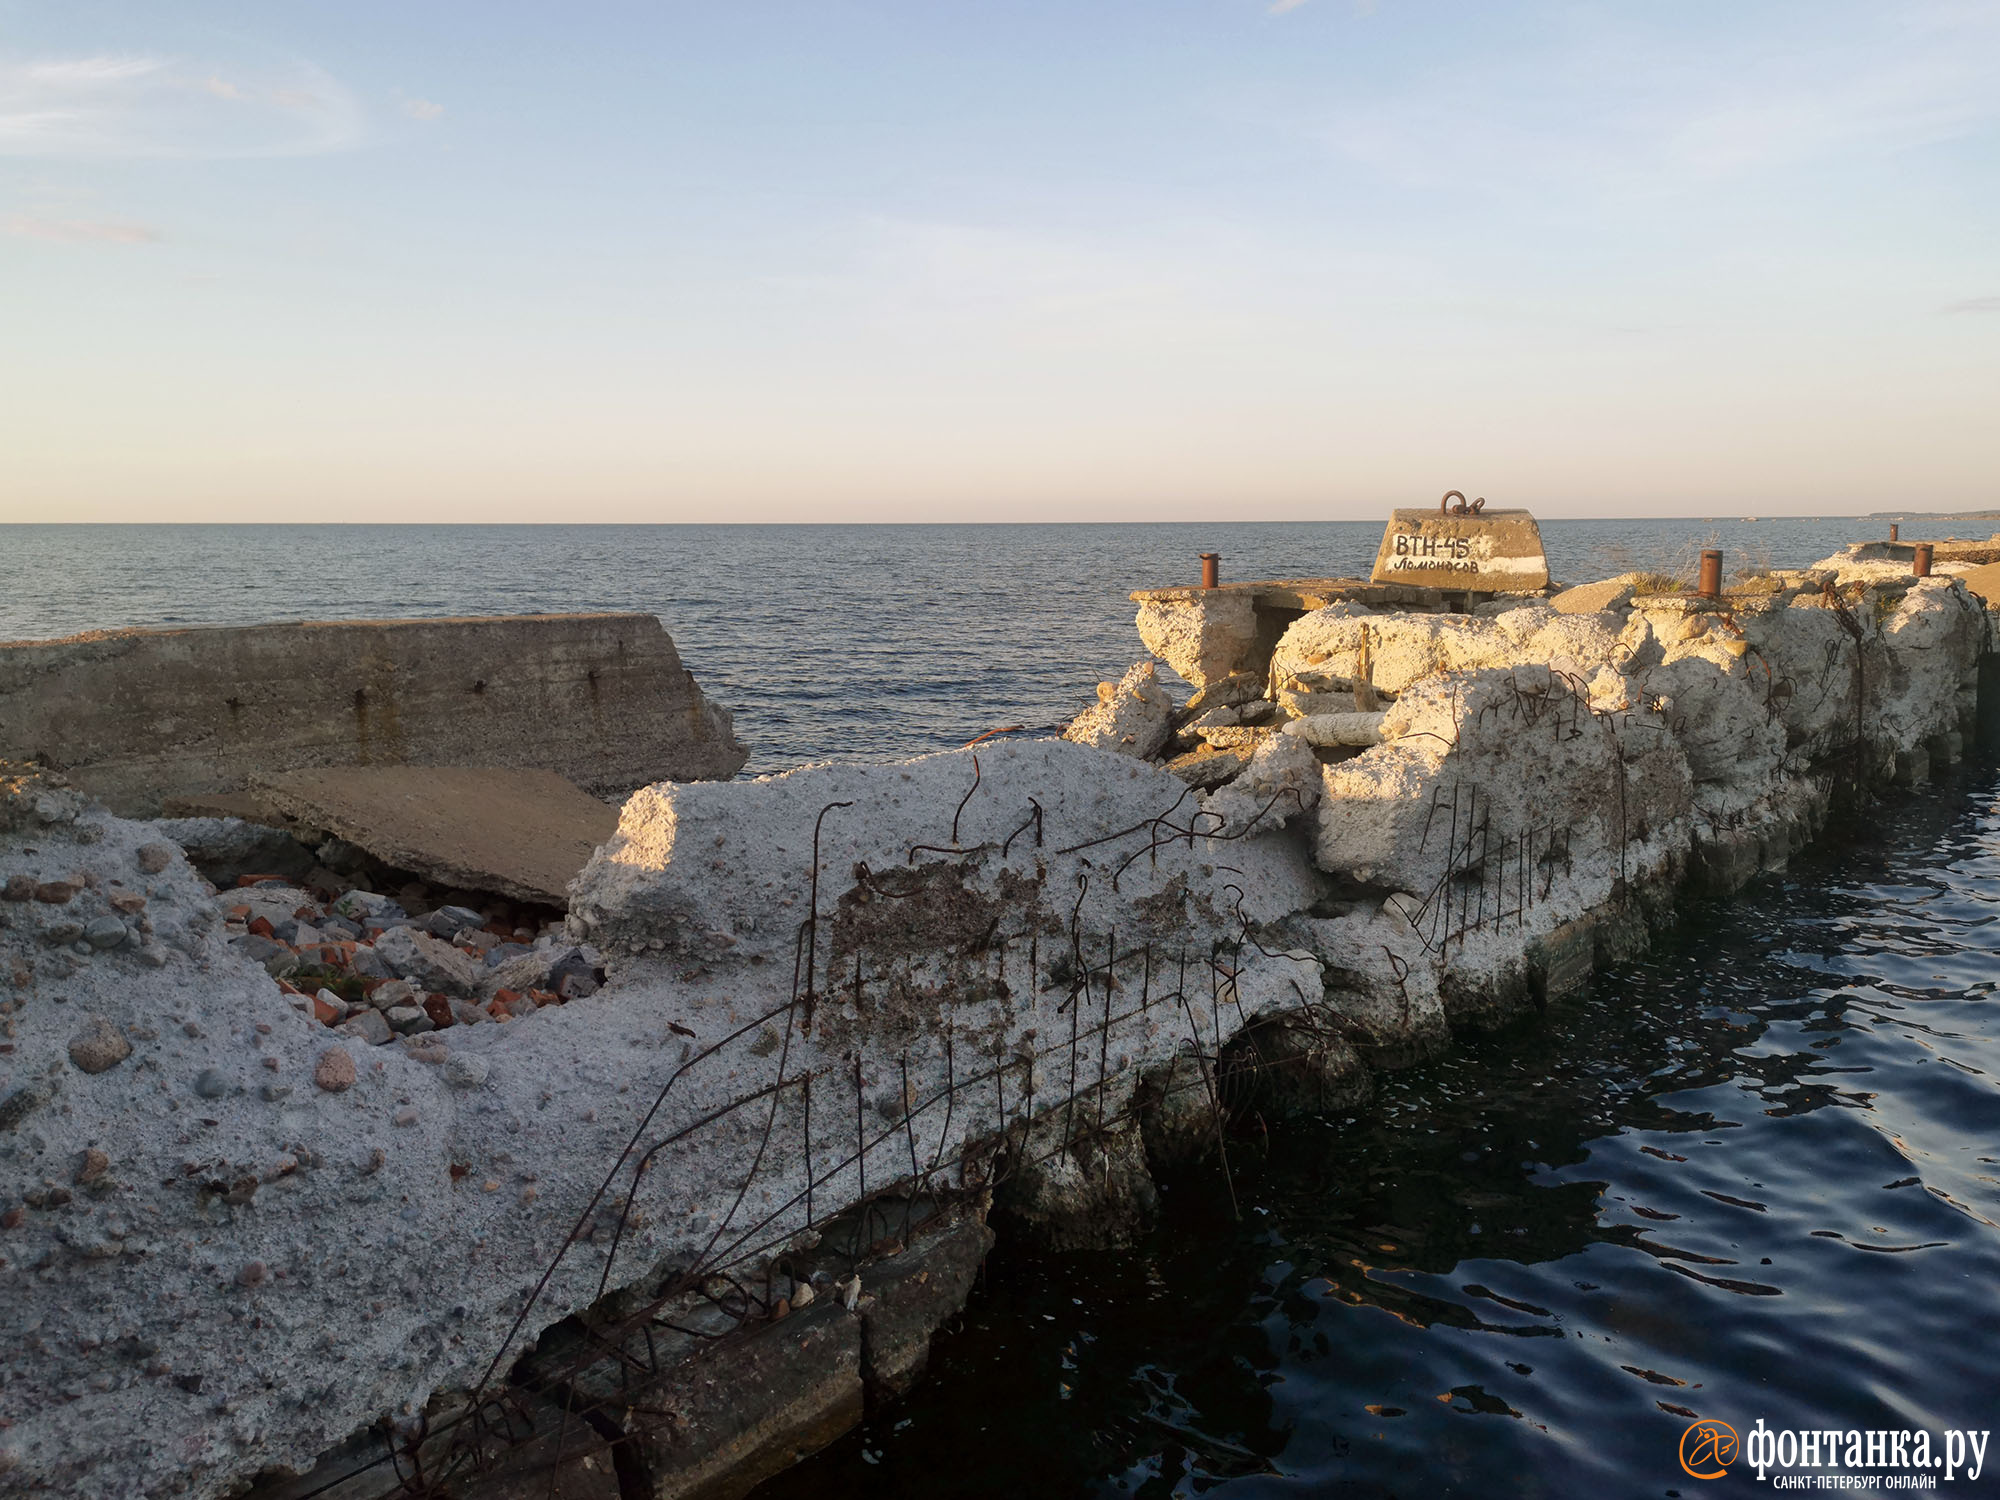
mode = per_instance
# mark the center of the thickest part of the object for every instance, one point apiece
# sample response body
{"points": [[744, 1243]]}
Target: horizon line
{"points": [[1710, 519]]}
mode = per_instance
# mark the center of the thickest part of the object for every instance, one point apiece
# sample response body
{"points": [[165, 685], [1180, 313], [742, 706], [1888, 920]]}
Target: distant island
{"points": [[1932, 515]]}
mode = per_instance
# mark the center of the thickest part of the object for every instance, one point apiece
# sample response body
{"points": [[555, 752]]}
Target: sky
{"points": [[1123, 260]]}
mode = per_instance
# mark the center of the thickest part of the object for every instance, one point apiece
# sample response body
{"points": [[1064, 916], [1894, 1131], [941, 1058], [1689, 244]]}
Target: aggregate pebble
{"points": [[334, 1072], [98, 1047]]}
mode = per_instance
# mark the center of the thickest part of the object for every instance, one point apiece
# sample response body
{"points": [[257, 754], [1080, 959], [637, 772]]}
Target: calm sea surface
{"points": [[1756, 1175], [829, 642]]}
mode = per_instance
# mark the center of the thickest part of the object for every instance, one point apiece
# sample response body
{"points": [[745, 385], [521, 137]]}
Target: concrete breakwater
{"points": [[141, 717], [1017, 975]]}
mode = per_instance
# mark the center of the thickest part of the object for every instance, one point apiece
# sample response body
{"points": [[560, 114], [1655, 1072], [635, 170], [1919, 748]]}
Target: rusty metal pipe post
{"points": [[1920, 565], [1711, 574], [1211, 569], [1893, 529]]}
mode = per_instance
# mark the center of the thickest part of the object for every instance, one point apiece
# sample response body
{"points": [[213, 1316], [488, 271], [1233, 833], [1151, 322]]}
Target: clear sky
{"points": [[1005, 261]]}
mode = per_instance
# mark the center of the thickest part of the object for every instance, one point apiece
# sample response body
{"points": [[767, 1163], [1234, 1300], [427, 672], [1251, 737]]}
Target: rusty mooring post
{"points": [[1211, 569], [1893, 529], [1711, 574], [1920, 565]]}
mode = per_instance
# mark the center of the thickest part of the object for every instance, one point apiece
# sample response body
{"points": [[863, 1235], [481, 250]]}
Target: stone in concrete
{"points": [[1498, 551], [523, 834], [138, 716], [98, 1047]]}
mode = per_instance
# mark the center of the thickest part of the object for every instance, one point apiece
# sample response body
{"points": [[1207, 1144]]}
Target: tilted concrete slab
{"points": [[523, 834], [135, 717], [1595, 598], [1983, 581]]}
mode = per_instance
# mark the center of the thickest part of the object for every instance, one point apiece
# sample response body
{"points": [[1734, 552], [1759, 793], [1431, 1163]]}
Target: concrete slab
{"points": [[1593, 598], [1983, 581], [521, 834], [135, 717]]}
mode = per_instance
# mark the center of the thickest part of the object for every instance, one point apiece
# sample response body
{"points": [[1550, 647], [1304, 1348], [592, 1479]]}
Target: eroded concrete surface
{"points": [[136, 717], [1028, 970]]}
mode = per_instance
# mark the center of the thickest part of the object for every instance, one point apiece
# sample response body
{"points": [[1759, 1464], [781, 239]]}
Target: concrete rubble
{"points": [[254, 1219]]}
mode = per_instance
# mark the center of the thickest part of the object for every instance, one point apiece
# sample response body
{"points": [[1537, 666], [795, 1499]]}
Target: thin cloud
{"points": [[130, 106], [1607, 105], [1972, 305], [83, 231], [1281, 7], [425, 109], [93, 69]]}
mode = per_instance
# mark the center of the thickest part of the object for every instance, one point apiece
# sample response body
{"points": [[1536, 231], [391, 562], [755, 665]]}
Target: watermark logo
{"points": [[1835, 1458], [1707, 1449]]}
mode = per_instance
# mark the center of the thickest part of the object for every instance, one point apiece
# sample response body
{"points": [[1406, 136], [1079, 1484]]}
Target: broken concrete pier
{"points": [[682, 1229]]}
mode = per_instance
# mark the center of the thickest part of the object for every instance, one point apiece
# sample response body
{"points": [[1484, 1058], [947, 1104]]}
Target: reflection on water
{"points": [[1756, 1175]]}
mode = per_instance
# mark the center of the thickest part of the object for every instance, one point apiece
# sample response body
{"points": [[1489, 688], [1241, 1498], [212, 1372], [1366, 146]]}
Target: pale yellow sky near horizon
{"points": [[1207, 260]]}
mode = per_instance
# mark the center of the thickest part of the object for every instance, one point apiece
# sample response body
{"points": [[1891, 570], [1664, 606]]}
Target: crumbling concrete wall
{"points": [[138, 716], [1545, 780]]}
